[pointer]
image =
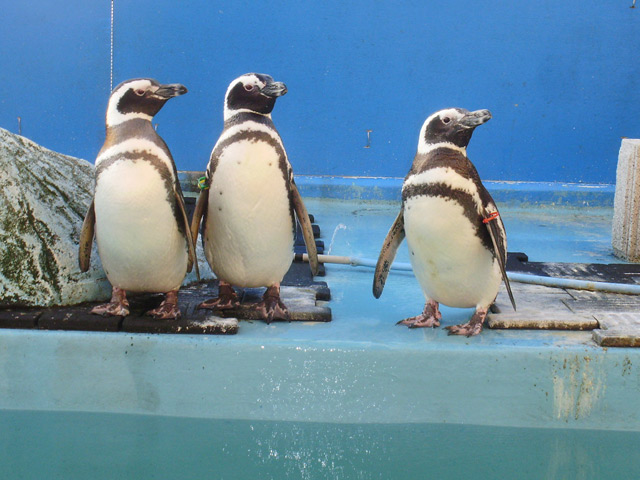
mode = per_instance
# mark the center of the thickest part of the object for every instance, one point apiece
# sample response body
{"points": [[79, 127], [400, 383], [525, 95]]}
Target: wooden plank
{"points": [[77, 318], [541, 320], [209, 325], [10, 318], [301, 301]]}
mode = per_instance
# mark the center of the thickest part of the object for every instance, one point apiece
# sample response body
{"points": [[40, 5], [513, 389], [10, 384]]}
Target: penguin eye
{"points": [[446, 120], [139, 91], [248, 88]]}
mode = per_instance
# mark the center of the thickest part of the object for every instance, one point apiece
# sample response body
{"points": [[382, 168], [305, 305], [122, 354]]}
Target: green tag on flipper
{"points": [[202, 183]]}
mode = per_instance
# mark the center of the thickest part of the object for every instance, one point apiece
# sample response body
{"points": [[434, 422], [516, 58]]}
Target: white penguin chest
{"points": [[137, 233], [249, 233], [449, 260]]}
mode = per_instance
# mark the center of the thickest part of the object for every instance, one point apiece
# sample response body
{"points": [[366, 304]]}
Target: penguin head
{"points": [[139, 98], [452, 125], [252, 92]]}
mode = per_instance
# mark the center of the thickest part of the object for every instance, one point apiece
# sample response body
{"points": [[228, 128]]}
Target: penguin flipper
{"points": [[182, 214], [496, 231], [86, 238], [199, 212], [305, 226], [388, 253]]}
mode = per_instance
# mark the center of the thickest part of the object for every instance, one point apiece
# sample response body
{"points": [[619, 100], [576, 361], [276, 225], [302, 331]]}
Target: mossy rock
{"points": [[43, 199]]}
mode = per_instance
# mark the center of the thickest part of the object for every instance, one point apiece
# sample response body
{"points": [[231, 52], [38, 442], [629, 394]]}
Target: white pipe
{"points": [[627, 289]]}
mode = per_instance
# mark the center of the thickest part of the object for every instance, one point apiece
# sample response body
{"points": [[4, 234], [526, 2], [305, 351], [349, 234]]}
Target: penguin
{"points": [[457, 241], [137, 212], [250, 202]]}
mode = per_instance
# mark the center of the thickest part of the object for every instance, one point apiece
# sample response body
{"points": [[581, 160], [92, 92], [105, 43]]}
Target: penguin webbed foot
{"points": [[429, 318], [227, 299], [117, 307], [271, 307], [472, 327], [168, 309], [111, 310]]}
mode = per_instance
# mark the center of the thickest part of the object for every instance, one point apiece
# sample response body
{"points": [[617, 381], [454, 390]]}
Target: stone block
{"points": [[44, 196], [617, 337], [626, 209], [541, 320]]}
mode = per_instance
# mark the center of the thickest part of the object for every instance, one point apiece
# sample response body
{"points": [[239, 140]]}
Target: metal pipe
{"points": [[624, 288]]}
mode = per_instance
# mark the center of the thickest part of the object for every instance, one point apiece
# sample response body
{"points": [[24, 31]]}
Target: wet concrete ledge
{"points": [[559, 381]]}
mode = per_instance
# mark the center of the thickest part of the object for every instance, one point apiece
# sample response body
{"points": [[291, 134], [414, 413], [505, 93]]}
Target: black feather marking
{"points": [[239, 98], [252, 136], [162, 169], [464, 199]]}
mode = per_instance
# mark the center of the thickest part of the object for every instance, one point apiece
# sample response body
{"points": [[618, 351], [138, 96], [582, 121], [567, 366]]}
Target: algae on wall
{"points": [[44, 196]]}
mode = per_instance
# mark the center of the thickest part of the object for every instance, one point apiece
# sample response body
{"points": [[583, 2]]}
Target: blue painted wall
{"points": [[561, 78]]}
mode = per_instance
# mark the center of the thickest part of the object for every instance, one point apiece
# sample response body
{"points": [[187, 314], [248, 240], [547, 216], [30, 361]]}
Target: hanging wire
{"points": [[111, 52]]}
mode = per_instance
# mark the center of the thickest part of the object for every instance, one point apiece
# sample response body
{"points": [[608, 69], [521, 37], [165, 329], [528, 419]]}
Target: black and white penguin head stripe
{"points": [[139, 98], [252, 92], [450, 127]]}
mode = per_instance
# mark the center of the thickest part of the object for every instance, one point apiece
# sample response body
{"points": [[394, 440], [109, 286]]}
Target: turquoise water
{"points": [[45, 445]]}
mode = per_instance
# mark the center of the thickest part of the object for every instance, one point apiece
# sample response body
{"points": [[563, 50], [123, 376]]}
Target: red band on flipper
{"points": [[491, 216]]}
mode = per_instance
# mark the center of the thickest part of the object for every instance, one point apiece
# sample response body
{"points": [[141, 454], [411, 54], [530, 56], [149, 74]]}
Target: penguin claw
{"points": [[117, 307], [112, 309], [272, 312], [222, 302], [420, 321], [271, 307], [472, 327], [168, 309], [227, 299], [466, 329], [430, 317], [165, 311]]}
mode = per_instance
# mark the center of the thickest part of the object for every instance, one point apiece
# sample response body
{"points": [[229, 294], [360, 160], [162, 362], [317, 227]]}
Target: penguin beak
{"points": [[473, 119], [171, 90], [274, 89]]}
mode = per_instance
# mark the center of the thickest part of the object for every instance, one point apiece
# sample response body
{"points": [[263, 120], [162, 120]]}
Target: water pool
{"points": [[355, 398], [105, 446]]}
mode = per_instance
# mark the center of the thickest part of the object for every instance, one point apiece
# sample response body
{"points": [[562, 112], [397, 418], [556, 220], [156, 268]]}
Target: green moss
{"points": [[43, 199]]}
